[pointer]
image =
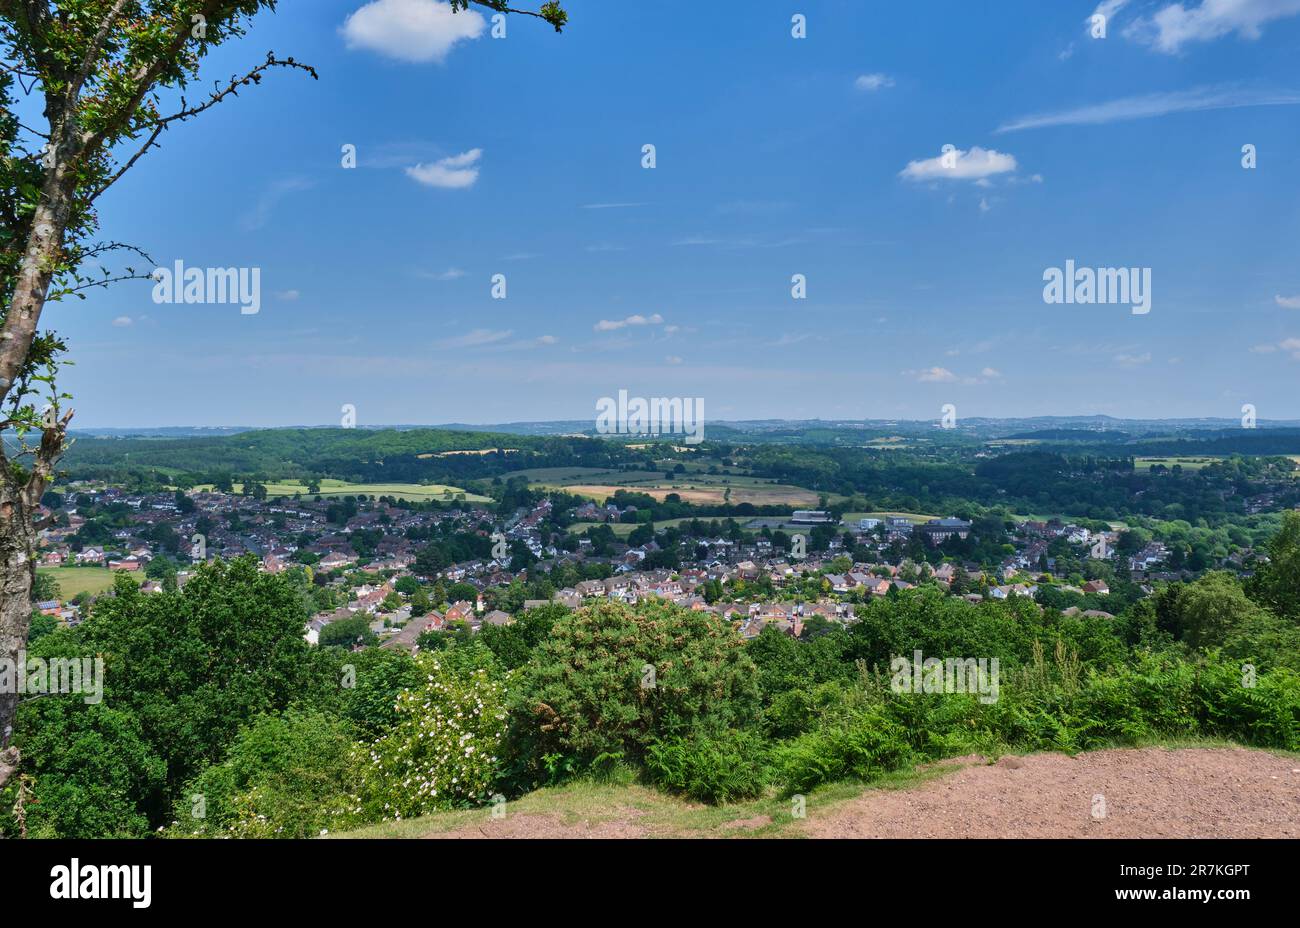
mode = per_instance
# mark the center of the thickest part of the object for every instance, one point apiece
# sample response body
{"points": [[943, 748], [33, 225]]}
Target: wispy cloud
{"points": [[475, 339], [870, 83], [452, 273], [611, 205], [613, 325], [261, 214], [976, 164], [411, 30], [454, 173], [1147, 106], [1175, 25], [1287, 302]]}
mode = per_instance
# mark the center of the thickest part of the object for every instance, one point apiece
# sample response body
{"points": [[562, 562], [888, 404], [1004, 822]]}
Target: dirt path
{"points": [[1154, 792]]}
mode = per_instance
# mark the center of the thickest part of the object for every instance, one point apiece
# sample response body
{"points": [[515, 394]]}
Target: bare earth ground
{"points": [[1149, 793], [1152, 792]]}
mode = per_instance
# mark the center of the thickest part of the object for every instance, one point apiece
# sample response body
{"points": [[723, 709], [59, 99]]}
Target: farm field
{"points": [[699, 488], [414, 492], [623, 529], [1186, 463], [74, 580], [701, 494]]}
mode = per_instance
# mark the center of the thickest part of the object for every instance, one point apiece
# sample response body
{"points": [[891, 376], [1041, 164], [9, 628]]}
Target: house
{"points": [[90, 556], [497, 617], [336, 560], [1100, 587]]}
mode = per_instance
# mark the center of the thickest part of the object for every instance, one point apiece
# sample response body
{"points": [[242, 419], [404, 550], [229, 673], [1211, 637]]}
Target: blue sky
{"points": [[776, 156]]}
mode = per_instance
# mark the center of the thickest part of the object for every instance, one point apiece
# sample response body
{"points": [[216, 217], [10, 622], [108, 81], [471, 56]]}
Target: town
{"points": [[387, 572]]}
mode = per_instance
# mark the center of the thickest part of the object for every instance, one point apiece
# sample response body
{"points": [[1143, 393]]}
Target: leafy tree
{"points": [[1277, 583], [183, 672], [109, 77]]}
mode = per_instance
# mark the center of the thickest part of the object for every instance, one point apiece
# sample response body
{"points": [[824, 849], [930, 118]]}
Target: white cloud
{"points": [[475, 339], [1292, 345], [976, 164], [1133, 360], [991, 373], [613, 325], [452, 273], [873, 82], [1175, 25], [1150, 105], [287, 296], [122, 322], [611, 205], [673, 359], [1287, 302], [454, 173], [547, 340], [935, 375], [411, 30]]}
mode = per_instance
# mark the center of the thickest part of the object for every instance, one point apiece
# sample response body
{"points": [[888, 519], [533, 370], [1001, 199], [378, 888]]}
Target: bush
{"points": [[611, 680], [710, 768], [284, 777], [443, 752]]}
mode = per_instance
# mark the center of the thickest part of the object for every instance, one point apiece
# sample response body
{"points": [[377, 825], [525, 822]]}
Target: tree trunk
{"points": [[17, 575]]}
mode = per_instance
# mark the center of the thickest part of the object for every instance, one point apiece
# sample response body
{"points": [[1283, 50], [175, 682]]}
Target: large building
{"points": [[937, 531], [813, 517]]}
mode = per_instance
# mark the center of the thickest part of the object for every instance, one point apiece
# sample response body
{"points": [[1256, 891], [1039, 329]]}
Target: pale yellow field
{"points": [[415, 492]]}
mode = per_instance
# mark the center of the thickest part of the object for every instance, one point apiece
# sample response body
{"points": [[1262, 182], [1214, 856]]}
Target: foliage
{"points": [[714, 768], [612, 679], [283, 777], [442, 753]]}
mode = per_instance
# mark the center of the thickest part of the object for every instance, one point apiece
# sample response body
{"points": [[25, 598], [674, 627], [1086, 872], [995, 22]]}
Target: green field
{"points": [[414, 492], [74, 580], [1186, 463], [623, 529], [695, 486]]}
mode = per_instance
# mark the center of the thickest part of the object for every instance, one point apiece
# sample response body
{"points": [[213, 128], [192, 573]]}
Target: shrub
{"points": [[710, 768], [443, 752], [613, 679], [284, 777]]}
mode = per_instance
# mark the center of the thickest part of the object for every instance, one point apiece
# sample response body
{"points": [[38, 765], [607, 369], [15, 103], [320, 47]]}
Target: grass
{"points": [[74, 580], [414, 492], [623, 529], [1187, 463], [659, 814]]}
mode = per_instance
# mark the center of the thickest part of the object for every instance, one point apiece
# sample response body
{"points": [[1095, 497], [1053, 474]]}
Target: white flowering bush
{"points": [[442, 753]]}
